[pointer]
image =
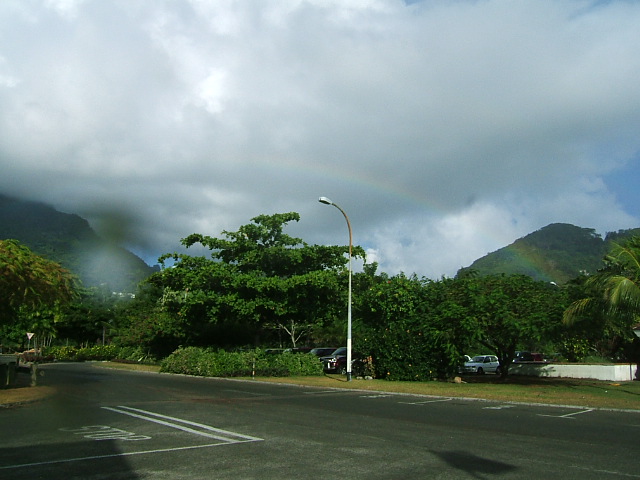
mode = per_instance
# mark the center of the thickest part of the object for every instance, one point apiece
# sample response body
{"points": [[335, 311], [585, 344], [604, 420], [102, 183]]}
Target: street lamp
{"points": [[326, 201], [636, 330]]}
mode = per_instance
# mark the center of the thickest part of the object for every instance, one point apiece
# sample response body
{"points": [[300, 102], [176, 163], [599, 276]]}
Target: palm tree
{"points": [[616, 288], [618, 284]]}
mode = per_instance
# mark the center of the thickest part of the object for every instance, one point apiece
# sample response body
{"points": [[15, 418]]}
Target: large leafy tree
{"points": [[612, 295], [412, 327], [257, 278], [31, 289], [507, 312]]}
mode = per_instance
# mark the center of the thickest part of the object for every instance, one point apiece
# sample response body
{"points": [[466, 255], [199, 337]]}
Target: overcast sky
{"points": [[445, 129]]}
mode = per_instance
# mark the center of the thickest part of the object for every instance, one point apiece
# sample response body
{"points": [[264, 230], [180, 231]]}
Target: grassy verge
{"points": [[550, 391]]}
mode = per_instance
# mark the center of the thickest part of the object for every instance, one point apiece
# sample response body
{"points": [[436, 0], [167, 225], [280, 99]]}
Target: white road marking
{"points": [[322, 391], [217, 433], [567, 415], [104, 432], [427, 401], [98, 457], [225, 437]]}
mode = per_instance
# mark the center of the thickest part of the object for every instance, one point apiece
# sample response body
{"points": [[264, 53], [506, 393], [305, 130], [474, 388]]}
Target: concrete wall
{"points": [[618, 372], [8, 365]]}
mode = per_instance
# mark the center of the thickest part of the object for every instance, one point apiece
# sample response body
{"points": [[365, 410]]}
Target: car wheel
{"points": [[342, 370], [498, 370], [480, 371]]}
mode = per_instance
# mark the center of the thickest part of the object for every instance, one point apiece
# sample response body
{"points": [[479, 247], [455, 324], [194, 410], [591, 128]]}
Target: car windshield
{"points": [[340, 351], [478, 359]]}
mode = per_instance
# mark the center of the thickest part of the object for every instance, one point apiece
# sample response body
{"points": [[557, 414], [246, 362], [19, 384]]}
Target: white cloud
{"points": [[445, 129]]}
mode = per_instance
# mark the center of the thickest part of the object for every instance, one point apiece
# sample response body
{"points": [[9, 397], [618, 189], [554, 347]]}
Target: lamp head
{"points": [[325, 200]]}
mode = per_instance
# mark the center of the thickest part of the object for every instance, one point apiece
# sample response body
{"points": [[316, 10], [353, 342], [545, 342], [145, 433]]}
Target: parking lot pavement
{"points": [[120, 425]]}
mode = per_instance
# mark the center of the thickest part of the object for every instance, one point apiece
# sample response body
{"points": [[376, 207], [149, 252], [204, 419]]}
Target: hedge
{"points": [[220, 363], [98, 352]]}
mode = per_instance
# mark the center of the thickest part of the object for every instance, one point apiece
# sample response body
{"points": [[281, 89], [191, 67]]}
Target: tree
{"points": [[613, 294], [411, 327], [258, 278], [507, 311], [30, 285]]}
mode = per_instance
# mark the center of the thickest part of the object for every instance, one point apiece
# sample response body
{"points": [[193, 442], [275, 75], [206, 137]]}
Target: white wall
{"points": [[618, 372]]}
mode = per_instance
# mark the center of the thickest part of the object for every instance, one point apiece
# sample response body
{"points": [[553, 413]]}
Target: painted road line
{"points": [[427, 401], [111, 455], [323, 392], [567, 415], [178, 423]]}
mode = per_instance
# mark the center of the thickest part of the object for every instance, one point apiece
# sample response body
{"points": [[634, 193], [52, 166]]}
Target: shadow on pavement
{"points": [[68, 461], [474, 465]]}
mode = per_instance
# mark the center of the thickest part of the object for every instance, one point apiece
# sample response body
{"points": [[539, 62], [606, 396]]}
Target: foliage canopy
{"points": [[258, 279]]}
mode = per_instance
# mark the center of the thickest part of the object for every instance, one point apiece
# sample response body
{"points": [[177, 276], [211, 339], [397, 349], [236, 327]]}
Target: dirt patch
{"points": [[22, 393]]}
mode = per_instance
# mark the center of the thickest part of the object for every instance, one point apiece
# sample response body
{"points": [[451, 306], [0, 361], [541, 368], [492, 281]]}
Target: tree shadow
{"points": [[474, 465], [66, 461]]}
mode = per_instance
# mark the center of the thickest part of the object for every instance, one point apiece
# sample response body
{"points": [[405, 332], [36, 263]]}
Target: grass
{"points": [[550, 391]]}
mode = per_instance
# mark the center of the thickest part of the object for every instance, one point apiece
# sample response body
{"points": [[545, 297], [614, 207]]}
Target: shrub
{"points": [[97, 352], [204, 362]]}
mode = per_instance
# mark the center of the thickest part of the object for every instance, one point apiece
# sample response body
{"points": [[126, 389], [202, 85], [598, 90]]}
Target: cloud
{"points": [[445, 129]]}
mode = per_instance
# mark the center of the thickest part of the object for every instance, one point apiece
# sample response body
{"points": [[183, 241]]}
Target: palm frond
{"points": [[622, 293], [573, 313], [627, 254]]}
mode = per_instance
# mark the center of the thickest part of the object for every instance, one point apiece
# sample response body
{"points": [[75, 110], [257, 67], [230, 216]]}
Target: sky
{"points": [[445, 129]]}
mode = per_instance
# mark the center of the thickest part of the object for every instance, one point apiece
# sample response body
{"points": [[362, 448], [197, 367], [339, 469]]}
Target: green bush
{"points": [[99, 353], [205, 362]]}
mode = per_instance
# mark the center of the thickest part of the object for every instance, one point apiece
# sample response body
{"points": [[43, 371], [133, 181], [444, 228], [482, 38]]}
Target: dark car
{"points": [[528, 357], [337, 361], [299, 350], [323, 351]]}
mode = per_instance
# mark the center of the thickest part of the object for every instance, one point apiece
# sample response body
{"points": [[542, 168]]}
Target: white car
{"points": [[482, 364]]}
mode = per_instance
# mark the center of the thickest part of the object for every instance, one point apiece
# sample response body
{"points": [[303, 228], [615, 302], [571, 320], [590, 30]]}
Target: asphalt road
{"points": [[112, 424]]}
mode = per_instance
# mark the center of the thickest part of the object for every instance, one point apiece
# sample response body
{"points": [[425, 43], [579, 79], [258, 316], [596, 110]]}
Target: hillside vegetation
{"points": [[70, 241], [556, 253]]}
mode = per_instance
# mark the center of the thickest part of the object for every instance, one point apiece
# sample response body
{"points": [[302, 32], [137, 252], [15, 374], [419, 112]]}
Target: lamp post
{"points": [[636, 330], [326, 201]]}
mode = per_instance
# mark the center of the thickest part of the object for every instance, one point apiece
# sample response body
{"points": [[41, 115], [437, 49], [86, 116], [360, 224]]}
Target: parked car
{"points": [[298, 350], [528, 357], [336, 362], [482, 364], [323, 351]]}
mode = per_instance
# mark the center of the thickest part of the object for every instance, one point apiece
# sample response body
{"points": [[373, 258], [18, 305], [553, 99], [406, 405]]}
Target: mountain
{"points": [[70, 241], [556, 253]]}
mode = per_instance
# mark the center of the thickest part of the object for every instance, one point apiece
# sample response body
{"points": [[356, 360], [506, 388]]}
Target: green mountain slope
{"points": [[556, 253], [69, 240]]}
